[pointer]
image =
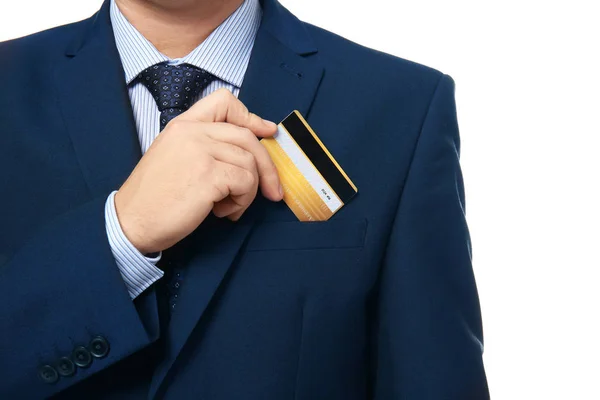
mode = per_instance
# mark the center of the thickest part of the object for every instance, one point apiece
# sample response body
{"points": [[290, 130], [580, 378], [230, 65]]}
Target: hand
{"points": [[208, 158]]}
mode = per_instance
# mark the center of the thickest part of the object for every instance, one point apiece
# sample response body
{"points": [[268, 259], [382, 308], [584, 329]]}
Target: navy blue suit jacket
{"points": [[377, 303]]}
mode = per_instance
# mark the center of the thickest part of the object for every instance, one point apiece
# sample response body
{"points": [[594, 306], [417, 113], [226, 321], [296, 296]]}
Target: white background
{"points": [[528, 81]]}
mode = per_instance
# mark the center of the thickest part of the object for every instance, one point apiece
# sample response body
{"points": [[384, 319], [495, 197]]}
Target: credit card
{"points": [[315, 186]]}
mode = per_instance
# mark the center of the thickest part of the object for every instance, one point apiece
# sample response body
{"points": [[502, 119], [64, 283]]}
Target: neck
{"points": [[176, 27]]}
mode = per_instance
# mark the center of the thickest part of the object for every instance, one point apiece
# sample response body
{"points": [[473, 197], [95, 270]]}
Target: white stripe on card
{"points": [[310, 172]]}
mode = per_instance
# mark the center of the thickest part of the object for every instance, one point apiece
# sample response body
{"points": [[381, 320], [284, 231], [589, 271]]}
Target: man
{"points": [[136, 265]]}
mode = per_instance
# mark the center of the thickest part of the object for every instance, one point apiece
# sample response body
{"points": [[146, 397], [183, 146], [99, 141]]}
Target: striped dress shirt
{"points": [[225, 54]]}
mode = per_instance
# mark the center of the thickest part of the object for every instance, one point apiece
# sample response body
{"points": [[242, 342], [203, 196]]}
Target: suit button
{"points": [[81, 357], [99, 347], [65, 367], [48, 374]]}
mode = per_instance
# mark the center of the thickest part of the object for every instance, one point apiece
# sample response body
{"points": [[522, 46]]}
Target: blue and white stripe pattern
{"points": [[225, 54]]}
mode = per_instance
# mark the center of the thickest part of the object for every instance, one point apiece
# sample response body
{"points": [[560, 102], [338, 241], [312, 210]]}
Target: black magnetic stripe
{"points": [[319, 158]]}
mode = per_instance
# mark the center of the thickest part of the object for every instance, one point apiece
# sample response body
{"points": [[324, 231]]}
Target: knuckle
{"points": [[175, 124], [225, 95], [266, 162], [238, 151], [243, 109], [247, 135], [268, 170], [204, 128], [248, 158], [227, 173], [253, 117], [203, 167], [250, 179], [220, 184]]}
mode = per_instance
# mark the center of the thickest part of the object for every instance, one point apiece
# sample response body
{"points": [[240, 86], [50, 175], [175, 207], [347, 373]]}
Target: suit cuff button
{"points": [[81, 357], [65, 367], [99, 347], [48, 374]]}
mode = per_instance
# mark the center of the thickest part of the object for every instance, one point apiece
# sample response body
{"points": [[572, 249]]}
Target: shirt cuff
{"points": [[137, 270]]}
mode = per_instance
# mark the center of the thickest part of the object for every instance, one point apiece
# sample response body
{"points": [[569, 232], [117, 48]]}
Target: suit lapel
{"points": [[284, 74], [278, 79], [93, 98]]}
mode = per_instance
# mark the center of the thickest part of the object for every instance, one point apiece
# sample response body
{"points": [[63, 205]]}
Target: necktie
{"points": [[174, 88]]}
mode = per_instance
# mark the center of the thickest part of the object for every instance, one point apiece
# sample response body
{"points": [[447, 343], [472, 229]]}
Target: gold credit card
{"points": [[315, 186]]}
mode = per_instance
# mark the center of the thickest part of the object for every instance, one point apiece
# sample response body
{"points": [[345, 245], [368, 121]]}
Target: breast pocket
{"points": [[296, 235]]}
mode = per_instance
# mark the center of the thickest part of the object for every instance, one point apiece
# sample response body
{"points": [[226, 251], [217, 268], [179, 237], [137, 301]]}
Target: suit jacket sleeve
{"points": [[59, 291], [428, 333]]}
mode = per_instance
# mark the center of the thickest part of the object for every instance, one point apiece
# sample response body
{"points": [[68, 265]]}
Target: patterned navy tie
{"points": [[174, 87]]}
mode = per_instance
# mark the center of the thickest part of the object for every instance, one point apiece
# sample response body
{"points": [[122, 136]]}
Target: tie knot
{"points": [[175, 86]]}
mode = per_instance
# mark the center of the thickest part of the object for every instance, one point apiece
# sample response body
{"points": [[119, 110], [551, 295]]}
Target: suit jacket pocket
{"points": [[296, 235]]}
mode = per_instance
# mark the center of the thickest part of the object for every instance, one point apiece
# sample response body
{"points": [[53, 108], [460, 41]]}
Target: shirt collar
{"points": [[225, 53]]}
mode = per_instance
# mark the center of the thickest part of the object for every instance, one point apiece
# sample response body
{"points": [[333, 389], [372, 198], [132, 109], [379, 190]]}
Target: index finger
{"points": [[223, 106]]}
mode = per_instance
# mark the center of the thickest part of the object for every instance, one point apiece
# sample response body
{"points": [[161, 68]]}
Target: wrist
{"points": [[132, 227]]}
